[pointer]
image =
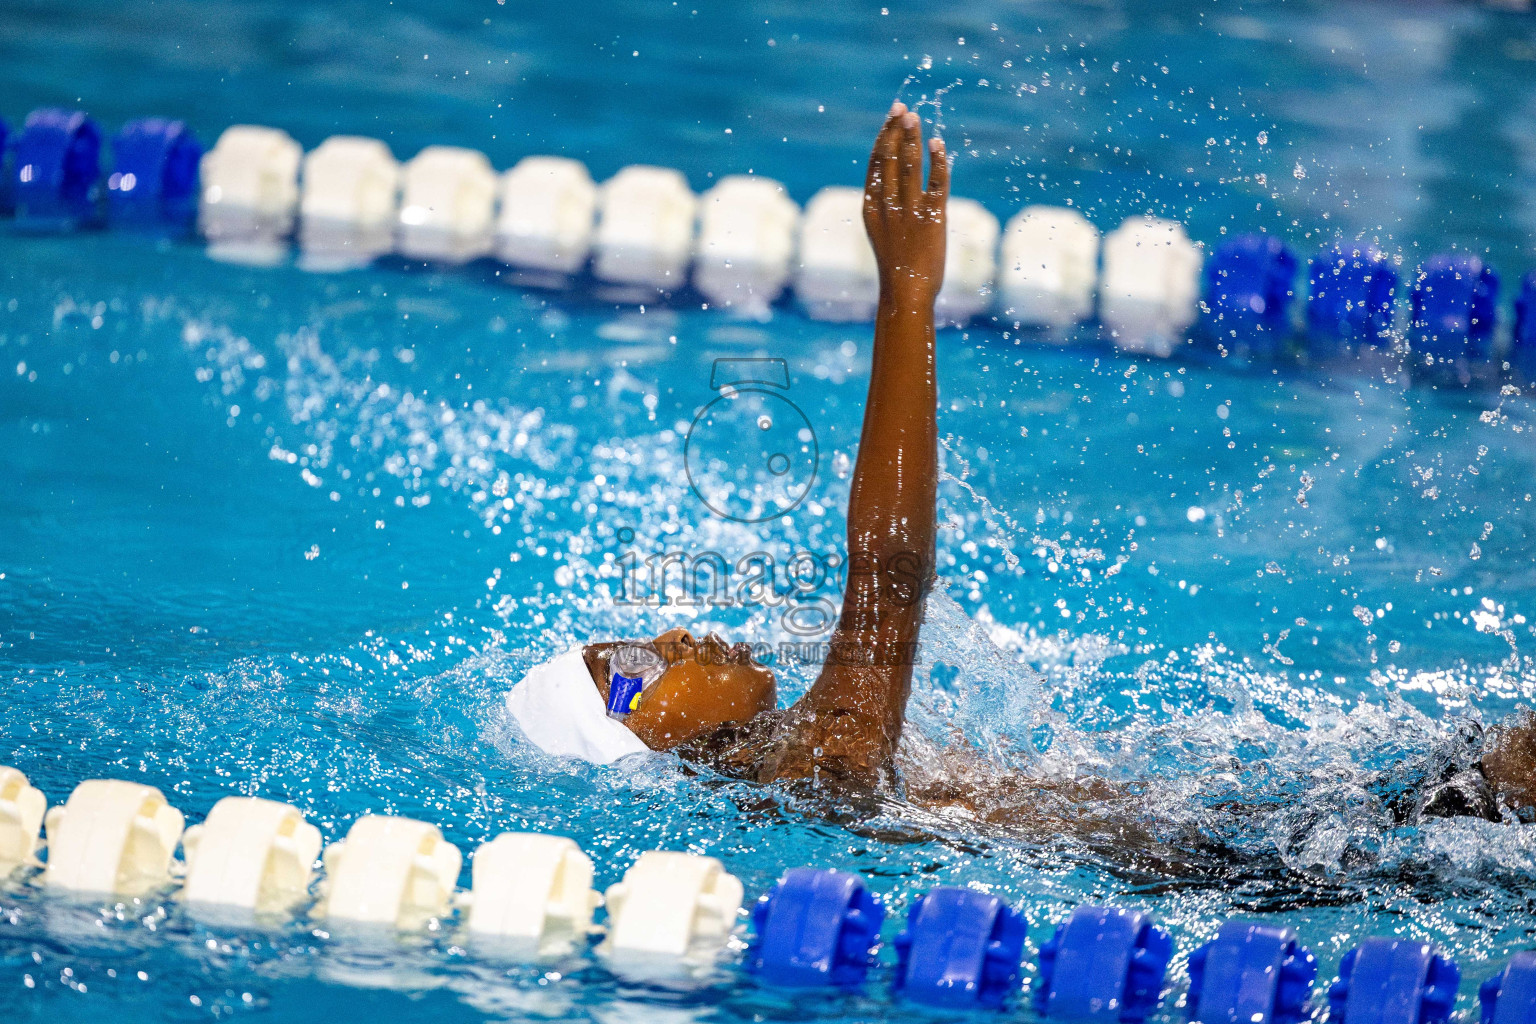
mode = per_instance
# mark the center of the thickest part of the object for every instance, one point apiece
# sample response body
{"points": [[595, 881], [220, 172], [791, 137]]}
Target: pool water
{"points": [[278, 533]]}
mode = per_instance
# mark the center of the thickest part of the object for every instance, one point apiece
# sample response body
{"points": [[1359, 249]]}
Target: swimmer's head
{"points": [[707, 684], [1509, 762]]}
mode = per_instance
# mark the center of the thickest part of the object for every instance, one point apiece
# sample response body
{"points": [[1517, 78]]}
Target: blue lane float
{"points": [[1352, 297], [1103, 964], [960, 948], [815, 928], [1393, 981], [1509, 997], [154, 173], [1248, 291], [57, 169], [1522, 350], [1453, 309], [1251, 973]]}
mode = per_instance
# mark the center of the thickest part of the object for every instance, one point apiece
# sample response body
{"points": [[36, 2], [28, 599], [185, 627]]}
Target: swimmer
{"points": [[712, 704], [711, 701]]}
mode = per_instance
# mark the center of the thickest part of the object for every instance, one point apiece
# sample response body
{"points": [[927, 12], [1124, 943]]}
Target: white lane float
{"points": [[1149, 292], [970, 262], [1050, 267], [531, 895], [447, 205], [837, 278], [22, 806], [112, 837], [249, 855], [746, 242], [350, 197], [548, 205], [672, 910], [645, 228], [390, 872], [250, 194]]}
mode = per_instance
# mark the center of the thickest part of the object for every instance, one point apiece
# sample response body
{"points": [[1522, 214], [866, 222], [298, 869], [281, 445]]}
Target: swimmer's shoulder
{"points": [[739, 749], [793, 745]]}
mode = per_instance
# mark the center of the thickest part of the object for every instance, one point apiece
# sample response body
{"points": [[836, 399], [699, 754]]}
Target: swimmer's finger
{"points": [[910, 188], [872, 175], [938, 175], [882, 157], [890, 165]]}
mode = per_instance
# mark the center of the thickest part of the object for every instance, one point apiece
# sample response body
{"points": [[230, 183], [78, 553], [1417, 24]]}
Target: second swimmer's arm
{"points": [[850, 721]]}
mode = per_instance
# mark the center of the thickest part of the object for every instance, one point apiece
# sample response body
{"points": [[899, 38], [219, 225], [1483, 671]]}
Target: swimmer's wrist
{"points": [[905, 293]]}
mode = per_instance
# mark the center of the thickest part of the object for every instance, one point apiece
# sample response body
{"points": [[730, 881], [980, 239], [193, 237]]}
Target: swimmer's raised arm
{"points": [[849, 723], [712, 702]]}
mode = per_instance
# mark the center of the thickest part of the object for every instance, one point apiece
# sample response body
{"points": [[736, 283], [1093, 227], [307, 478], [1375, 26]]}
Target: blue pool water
{"points": [[270, 532]]}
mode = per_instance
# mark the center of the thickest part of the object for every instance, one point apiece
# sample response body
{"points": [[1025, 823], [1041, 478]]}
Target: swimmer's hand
{"points": [[904, 221]]}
